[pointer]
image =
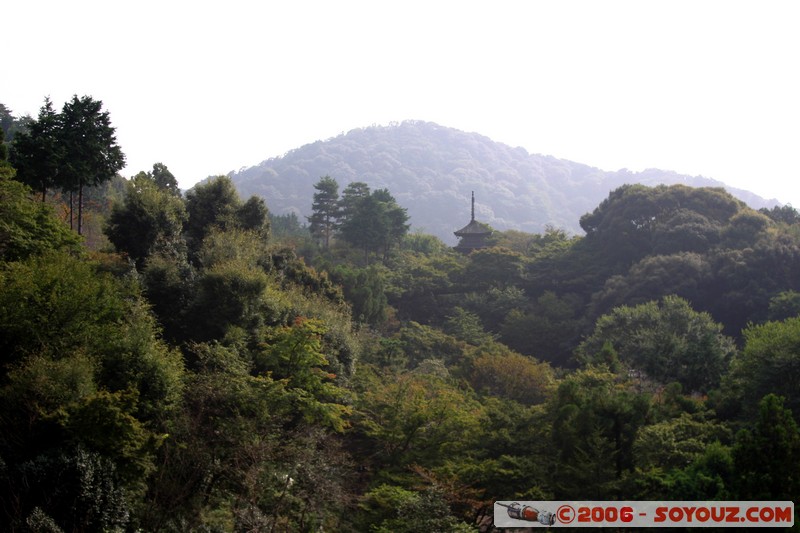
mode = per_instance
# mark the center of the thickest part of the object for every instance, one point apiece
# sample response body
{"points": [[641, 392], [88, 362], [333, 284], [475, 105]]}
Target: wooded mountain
{"points": [[432, 169]]}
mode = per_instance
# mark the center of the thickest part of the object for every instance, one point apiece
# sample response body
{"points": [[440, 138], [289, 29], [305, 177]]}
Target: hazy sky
{"points": [[701, 87]]}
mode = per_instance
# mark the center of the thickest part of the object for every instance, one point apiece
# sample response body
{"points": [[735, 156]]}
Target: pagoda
{"points": [[472, 236]]}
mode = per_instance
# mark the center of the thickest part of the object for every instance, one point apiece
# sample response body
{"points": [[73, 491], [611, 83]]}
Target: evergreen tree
{"points": [[150, 219], [164, 179], [351, 196], [767, 458], [325, 210], [90, 153], [374, 223], [37, 153]]}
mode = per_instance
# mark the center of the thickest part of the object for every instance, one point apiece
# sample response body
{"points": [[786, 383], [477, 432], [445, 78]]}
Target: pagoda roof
{"points": [[474, 228]]}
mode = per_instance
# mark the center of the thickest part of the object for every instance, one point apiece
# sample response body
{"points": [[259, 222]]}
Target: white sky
{"points": [[702, 87]]}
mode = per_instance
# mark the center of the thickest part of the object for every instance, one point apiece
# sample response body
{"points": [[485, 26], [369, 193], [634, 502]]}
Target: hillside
{"points": [[431, 169]]}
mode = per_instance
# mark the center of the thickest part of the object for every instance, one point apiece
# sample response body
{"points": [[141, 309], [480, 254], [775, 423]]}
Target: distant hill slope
{"points": [[431, 170]]}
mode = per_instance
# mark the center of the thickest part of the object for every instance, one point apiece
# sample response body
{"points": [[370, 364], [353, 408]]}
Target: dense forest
{"points": [[431, 170], [193, 362]]}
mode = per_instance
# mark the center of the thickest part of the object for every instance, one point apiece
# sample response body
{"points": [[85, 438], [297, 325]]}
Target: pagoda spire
{"points": [[472, 236], [473, 206]]}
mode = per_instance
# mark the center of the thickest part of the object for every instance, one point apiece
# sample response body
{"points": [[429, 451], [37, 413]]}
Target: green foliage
{"points": [[234, 289], [767, 458], [164, 179], [103, 422], [636, 220], [87, 151], [72, 489], [422, 243], [11, 125], [63, 308], [293, 355], [215, 204], [493, 267], [416, 417], [27, 227], [421, 342], [375, 222], [70, 150], [364, 289], [415, 283], [381, 504], [684, 274], [677, 442], [467, 327], [667, 341], [324, 217], [745, 228], [89, 144], [595, 418], [37, 153], [54, 304], [91, 388], [286, 225], [425, 511], [149, 220], [785, 214], [242, 393], [548, 330], [709, 477], [496, 370], [169, 285], [211, 204], [785, 305], [253, 215], [768, 363]]}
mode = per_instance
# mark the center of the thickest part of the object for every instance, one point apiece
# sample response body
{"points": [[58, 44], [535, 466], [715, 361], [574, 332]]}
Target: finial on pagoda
{"points": [[472, 236], [473, 206]]}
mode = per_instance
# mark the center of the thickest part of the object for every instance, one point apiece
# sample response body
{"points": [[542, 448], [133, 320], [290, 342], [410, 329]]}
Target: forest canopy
{"points": [[208, 365]]}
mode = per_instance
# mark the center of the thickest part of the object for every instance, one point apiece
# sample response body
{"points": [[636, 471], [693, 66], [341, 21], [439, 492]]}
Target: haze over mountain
{"points": [[431, 170]]}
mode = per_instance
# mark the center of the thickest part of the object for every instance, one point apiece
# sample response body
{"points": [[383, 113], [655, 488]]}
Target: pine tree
{"points": [[325, 210]]}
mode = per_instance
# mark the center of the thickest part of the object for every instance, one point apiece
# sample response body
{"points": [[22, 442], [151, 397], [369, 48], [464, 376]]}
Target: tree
{"points": [[90, 152], [149, 220], [416, 417], [676, 442], [351, 196], [37, 154], [635, 220], [784, 305], [374, 223], [210, 204], [11, 125], [548, 331], [595, 418], [253, 215], [785, 214], [294, 355], [501, 372], [467, 327], [164, 179], [215, 205], [6, 120], [667, 340], [494, 267], [767, 457], [82, 368], [365, 290], [325, 210], [768, 363], [28, 227]]}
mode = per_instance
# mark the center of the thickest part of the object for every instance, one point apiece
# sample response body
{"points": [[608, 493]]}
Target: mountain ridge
{"points": [[431, 170]]}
